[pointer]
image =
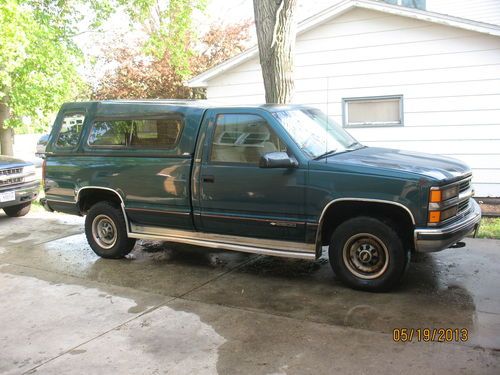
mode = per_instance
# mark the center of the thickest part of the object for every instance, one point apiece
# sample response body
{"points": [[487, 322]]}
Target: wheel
{"points": [[19, 210], [106, 231], [367, 254]]}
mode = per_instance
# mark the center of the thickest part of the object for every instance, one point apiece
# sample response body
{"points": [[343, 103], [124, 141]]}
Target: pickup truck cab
{"points": [[18, 186], [273, 180]]}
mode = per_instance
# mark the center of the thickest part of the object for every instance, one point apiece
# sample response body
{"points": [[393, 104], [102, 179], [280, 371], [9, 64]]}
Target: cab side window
{"points": [[71, 128], [242, 138]]}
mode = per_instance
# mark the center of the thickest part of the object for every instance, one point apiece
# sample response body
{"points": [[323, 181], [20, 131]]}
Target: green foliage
{"points": [[170, 28], [490, 228], [13, 41], [38, 59]]}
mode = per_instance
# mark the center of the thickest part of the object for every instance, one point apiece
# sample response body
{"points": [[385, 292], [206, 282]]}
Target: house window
{"points": [[373, 111]]}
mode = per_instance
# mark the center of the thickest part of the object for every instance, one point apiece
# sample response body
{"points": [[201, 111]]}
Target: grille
{"points": [[6, 180], [462, 206], [7, 172], [11, 181], [464, 185]]}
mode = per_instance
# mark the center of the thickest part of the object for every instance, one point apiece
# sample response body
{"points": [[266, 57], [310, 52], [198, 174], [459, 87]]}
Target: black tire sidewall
{"points": [[383, 230], [18, 210], [123, 244]]}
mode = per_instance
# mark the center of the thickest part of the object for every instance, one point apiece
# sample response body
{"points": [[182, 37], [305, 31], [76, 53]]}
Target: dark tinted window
{"points": [[240, 138], [140, 133], [70, 130]]}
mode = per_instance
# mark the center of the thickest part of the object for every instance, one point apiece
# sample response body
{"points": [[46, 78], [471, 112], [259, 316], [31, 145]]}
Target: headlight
{"points": [[29, 169], [29, 173], [438, 216], [438, 195], [443, 203]]}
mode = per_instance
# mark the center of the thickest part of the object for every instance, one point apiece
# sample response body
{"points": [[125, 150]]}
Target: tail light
{"points": [[44, 170]]}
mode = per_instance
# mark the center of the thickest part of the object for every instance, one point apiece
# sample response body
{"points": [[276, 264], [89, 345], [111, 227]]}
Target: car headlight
{"points": [[442, 203], [29, 173], [438, 195], [29, 169]]}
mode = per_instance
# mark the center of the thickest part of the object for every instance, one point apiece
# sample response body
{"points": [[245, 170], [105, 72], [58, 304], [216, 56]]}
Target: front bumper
{"points": [[24, 193], [436, 239]]}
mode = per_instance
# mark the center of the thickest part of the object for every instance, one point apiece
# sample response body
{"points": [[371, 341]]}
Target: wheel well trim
{"points": [[322, 217], [77, 195], [122, 202]]}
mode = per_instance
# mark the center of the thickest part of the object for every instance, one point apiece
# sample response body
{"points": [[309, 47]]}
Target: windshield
{"points": [[315, 133]]}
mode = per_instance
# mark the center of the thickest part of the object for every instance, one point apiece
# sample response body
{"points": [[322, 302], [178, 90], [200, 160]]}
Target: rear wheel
{"points": [[367, 253], [106, 231], [19, 210]]}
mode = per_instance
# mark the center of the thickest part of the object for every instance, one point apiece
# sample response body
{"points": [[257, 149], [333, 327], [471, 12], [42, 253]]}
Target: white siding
{"points": [[449, 78], [478, 10]]}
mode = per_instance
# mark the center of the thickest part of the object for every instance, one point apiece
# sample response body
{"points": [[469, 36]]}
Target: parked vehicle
{"points": [[273, 180], [19, 186], [41, 145]]}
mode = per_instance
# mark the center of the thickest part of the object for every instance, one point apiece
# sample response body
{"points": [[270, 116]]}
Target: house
{"points": [[478, 10], [393, 77]]}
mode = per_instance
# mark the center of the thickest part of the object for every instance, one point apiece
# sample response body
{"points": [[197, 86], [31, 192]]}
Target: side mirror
{"points": [[277, 160]]}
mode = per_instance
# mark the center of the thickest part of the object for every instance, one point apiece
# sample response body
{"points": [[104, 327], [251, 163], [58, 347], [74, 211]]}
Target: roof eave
{"points": [[340, 8]]}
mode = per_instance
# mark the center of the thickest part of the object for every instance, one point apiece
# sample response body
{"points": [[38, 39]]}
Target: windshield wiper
{"points": [[353, 144], [331, 152]]}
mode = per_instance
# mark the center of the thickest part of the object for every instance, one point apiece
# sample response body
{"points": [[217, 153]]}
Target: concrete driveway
{"points": [[170, 309]]}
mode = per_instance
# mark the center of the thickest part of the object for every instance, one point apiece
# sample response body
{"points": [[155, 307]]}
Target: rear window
{"points": [[71, 128], [136, 133]]}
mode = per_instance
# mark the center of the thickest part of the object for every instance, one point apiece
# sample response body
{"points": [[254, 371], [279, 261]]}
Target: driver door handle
{"points": [[208, 178]]}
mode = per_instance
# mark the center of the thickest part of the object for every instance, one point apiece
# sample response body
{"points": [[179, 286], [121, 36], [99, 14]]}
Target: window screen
{"points": [[70, 130], [240, 138], [373, 111], [138, 133]]}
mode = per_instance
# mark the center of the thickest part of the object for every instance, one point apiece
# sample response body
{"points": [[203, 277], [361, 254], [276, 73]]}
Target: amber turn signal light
{"points": [[434, 216], [435, 196]]}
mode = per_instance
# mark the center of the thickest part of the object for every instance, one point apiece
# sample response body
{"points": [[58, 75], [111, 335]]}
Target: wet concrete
{"points": [[180, 309]]}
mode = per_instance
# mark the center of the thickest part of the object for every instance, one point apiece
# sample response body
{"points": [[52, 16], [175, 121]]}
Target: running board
{"points": [[286, 249]]}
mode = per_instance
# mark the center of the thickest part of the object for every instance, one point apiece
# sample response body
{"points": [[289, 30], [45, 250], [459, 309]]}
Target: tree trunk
{"points": [[276, 29], [6, 134]]}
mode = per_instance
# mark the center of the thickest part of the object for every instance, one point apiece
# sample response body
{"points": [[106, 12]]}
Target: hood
{"points": [[10, 162], [432, 166]]}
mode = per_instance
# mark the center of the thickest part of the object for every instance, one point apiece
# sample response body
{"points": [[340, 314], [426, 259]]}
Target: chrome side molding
{"points": [[286, 249]]}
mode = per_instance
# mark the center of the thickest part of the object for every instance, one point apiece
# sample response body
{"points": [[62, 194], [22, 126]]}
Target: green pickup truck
{"points": [[273, 180], [18, 186]]}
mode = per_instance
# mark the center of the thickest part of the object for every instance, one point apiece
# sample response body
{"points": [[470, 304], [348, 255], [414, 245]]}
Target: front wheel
{"points": [[367, 254], [106, 231]]}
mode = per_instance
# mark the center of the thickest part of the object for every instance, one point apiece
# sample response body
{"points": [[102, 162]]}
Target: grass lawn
{"points": [[490, 228]]}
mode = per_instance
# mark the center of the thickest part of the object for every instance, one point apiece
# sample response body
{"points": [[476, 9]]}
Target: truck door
{"points": [[233, 195]]}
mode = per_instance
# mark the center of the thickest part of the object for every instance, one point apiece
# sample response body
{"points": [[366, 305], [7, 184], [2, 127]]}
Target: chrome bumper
{"points": [[436, 239], [24, 193]]}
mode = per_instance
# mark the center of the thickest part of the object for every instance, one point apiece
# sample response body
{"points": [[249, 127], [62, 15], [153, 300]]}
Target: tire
{"points": [[19, 210], [106, 231], [366, 253]]}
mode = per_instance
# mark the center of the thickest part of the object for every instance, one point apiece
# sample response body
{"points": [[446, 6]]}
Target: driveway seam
{"points": [[31, 370]]}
